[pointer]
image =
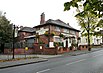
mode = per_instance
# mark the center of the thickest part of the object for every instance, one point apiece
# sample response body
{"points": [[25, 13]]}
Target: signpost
{"points": [[26, 49]]}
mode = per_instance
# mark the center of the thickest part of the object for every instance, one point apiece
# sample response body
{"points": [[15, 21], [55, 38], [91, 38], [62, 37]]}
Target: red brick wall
{"points": [[44, 39], [22, 35], [44, 50], [19, 51], [50, 51]]}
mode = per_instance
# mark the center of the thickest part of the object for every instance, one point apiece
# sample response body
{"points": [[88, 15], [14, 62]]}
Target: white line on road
{"points": [[76, 62], [43, 71]]}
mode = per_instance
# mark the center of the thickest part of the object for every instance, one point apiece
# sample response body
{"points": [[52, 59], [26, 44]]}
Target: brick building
{"points": [[25, 32], [54, 33], [50, 37]]}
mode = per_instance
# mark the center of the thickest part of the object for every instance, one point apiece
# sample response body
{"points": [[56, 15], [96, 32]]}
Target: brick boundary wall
{"points": [[19, 51]]}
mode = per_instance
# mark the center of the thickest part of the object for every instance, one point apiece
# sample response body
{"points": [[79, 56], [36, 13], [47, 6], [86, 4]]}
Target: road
{"points": [[86, 63]]}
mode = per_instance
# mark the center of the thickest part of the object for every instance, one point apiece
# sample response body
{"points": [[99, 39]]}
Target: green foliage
{"points": [[53, 33], [61, 35], [58, 43], [88, 16], [37, 36], [41, 42], [61, 44], [46, 33], [5, 29], [89, 22], [94, 6]]}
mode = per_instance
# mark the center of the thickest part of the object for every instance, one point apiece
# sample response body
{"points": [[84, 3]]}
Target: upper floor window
{"points": [[66, 30], [57, 39], [57, 28], [72, 32]]}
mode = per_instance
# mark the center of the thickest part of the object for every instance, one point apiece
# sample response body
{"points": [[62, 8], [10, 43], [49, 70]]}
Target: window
{"points": [[72, 32], [57, 39], [66, 30], [57, 28]]}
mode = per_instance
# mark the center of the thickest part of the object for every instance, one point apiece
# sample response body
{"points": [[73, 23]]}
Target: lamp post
{"points": [[13, 40], [15, 31]]}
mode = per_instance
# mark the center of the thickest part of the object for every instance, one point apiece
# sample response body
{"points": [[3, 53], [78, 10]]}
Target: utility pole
{"points": [[13, 40]]}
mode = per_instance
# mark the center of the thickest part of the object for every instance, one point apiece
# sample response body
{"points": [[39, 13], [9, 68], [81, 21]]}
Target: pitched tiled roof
{"points": [[58, 22], [27, 29]]}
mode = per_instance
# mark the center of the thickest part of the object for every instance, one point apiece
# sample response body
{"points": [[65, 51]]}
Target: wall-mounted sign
{"points": [[41, 47], [51, 44]]}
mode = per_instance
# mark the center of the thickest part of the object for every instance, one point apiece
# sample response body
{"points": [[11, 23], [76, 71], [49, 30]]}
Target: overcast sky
{"points": [[27, 12]]}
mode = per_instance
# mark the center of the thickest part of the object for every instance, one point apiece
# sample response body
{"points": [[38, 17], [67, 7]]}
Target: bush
{"points": [[41, 42], [58, 43], [52, 34], [46, 33], [61, 35]]}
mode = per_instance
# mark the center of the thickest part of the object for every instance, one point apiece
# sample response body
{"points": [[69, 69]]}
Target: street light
{"points": [[14, 28], [13, 40]]}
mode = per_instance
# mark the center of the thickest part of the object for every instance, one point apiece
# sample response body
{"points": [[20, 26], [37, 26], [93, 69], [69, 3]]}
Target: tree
{"points": [[88, 25], [5, 29], [94, 6], [89, 16]]}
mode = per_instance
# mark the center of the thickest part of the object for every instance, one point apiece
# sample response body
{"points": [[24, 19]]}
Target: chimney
{"points": [[42, 21]]}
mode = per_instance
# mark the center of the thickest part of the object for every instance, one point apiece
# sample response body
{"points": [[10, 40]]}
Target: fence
{"points": [[18, 45], [19, 48]]}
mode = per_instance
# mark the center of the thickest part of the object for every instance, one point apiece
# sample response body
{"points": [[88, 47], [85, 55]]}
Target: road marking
{"points": [[43, 71], [76, 62]]}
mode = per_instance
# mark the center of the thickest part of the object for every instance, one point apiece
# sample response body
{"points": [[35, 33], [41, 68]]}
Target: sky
{"points": [[27, 12]]}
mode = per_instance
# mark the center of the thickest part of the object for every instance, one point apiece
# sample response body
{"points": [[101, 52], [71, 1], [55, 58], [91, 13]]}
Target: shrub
{"points": [[37, 36], [61, 35], [41, 42], [53, 33], [46, 33]]}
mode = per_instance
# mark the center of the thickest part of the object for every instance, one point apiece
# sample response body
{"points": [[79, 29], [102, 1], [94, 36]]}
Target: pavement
{"points": [[8, 57], [79, 52], [20, 62], [39, 58]]}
